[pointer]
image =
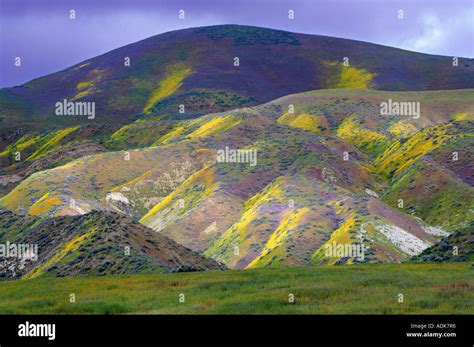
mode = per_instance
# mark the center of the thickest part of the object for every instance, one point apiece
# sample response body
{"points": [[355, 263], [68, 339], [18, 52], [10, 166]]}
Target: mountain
{"points": [[195, 67], [97, 243], [329, 168], [137, 104], [250, 146]]}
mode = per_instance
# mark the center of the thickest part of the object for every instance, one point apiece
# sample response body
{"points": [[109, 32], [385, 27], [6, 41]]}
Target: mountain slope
{"points": [[459, 247], [195, 67], [325, 173], [97, 243], [187, 73]]}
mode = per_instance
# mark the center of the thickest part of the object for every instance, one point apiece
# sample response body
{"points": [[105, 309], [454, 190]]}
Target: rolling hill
{"points": [[195, 67], [332, 171], [97, 243], [138, 103], [456, 247], [240, 145]]}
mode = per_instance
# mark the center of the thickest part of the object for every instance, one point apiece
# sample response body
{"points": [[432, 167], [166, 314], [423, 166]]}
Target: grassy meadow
{"points": [[358, 289]]}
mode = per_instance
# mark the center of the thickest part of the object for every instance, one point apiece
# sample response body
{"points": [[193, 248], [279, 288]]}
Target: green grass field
{"points": [[357, 289]]}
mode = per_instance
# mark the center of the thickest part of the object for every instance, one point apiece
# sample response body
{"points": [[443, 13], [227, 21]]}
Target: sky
{"points": [[42, 34]]}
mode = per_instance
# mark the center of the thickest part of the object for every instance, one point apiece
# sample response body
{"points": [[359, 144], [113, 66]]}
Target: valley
{"points": [[373, 289]]}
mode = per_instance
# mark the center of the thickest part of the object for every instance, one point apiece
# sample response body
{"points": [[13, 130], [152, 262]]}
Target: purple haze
{"points": [[41, 33]]}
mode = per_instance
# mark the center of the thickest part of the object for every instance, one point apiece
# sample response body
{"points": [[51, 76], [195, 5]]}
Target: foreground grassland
{"points": [[357, 289]]}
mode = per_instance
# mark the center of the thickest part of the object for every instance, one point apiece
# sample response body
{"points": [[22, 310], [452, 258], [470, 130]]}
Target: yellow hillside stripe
{"points": [[289, 222], [271, 191], [122, 131], [44, 204], [143, 176], [402, 128], [87, 87], [303, 121], [240, 230], [171, 135], [82, 65], [215, 126], [40, 200], [58, 136], [353, 78], [341, 236], [351, 131], [400, 156], [72, 245], [206, 175], [463, 116], [168, 86], [20, 145]]}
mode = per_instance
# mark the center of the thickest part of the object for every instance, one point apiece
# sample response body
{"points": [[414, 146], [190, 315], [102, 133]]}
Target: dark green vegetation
{"points": [[243, 35], [458, 247], [358, 289]]}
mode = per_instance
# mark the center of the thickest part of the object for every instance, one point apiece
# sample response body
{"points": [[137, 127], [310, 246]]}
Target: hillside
{"points": [[195, 67], [98, 243], [300, 195], [137, 104], [458, 247]]}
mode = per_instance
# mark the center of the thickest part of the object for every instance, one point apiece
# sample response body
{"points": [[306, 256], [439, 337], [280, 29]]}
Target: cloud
{"points": [[440, 33]]}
